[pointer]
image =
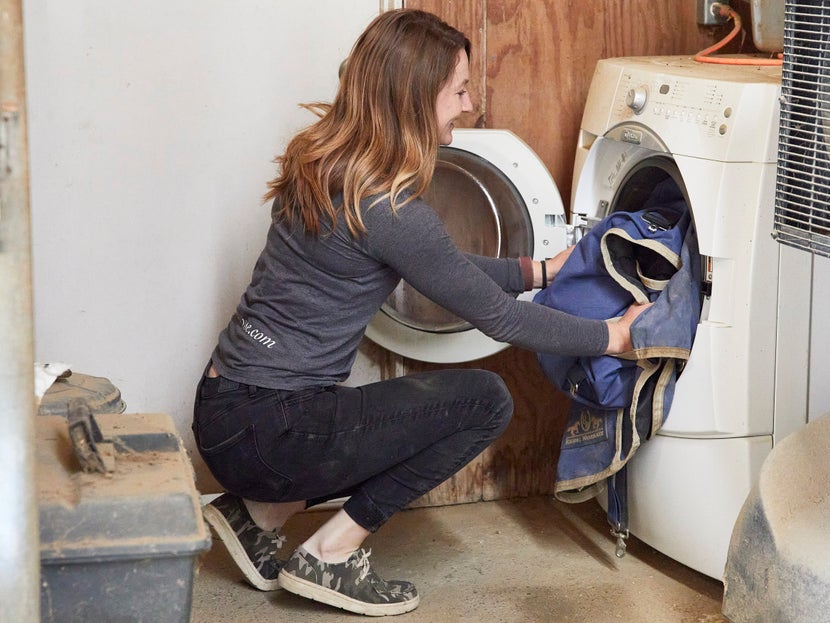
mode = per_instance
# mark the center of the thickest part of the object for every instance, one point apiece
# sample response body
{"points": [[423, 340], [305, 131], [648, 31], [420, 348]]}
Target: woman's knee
{"points": [[488, 388]]}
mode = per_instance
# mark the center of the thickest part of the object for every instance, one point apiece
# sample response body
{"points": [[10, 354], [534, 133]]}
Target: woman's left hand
{"points": [[619, 329]]}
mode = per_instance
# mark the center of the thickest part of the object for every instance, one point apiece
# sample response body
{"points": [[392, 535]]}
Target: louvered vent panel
{"points": [[802, 194]]}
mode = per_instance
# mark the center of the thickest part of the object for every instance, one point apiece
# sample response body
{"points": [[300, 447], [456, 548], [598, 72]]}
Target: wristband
{"points": [[544, 274], [526, 264]]}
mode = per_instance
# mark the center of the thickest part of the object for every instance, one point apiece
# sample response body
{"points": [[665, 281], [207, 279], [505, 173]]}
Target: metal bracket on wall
{"points": [[8, 120], [8, 123], [705, 15]]}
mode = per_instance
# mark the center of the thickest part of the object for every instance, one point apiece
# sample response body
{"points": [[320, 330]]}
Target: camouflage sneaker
{"points": [[351, 585], [252, 549]]}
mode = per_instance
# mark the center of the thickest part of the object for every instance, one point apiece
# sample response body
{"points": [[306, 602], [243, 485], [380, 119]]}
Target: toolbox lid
{"points": [[98, 392], [148, 506]]}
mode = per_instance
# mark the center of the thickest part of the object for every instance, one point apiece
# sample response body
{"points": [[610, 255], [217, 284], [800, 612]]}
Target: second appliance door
{"points": [[496, 198]]}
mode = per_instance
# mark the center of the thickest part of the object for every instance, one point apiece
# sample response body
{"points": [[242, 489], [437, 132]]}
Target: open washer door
{"points": [[496, 198]]}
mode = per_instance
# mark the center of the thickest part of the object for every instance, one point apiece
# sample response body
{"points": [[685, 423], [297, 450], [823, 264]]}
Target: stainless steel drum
{"points": [[483, 213]]}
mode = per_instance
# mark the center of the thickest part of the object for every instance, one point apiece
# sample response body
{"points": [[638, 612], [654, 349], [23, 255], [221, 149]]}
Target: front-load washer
{"points": [[496, 198], [713, 129]]}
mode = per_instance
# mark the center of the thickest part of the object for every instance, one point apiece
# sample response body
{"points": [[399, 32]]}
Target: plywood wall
{"points": [[531, 67]]}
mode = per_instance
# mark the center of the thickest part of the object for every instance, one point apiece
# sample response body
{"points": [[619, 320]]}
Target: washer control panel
{"points": [[678, 100], [724, 112]]}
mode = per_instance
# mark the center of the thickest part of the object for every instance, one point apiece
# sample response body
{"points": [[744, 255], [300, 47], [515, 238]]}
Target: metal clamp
{"points": [[621, 535]]}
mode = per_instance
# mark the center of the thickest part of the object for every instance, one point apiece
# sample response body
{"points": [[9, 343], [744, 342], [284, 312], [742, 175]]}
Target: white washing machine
{"points": [[713, 130]]}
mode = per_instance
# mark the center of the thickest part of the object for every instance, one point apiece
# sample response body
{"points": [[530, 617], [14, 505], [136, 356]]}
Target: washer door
{"points": [[726, 387], [496, 198]]}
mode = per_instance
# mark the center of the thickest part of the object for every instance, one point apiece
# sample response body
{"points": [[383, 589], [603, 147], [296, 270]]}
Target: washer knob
{"points": [[636, 98]]}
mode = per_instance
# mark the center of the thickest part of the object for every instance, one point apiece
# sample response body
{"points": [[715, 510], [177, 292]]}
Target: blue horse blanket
{"points": [[650, 255]]}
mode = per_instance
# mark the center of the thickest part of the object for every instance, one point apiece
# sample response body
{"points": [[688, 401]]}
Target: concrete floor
{"points": [[526, 560]]}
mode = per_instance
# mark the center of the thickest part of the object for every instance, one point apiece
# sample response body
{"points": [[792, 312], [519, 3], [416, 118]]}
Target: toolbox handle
{"points": [[85, 436]]}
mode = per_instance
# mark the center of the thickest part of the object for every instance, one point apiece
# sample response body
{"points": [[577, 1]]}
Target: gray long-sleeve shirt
{"points": [[300, 320]]}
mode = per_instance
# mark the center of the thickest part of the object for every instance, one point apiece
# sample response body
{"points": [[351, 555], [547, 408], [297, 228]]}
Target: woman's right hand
{"points": [[619, 329], [555, 263]]}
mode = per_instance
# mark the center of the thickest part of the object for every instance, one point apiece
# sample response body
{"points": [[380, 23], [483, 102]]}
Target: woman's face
{"points": [[453, 99]]}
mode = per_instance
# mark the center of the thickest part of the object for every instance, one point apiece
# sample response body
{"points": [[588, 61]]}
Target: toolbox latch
{"points": [[87, 439]]}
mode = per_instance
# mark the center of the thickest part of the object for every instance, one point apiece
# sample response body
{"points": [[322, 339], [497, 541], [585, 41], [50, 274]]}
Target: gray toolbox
{"points": [[121, 526]]}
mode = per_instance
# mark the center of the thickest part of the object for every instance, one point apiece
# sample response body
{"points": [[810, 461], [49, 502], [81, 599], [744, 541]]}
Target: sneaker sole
{"points": [[224, 531], [315, 592]]}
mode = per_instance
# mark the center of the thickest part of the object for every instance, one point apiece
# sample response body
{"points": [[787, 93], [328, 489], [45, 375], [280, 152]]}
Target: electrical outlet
{"points": [[705, 16]]}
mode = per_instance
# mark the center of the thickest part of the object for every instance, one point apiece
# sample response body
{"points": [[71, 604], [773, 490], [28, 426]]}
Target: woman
{"points": [[271, 420]]}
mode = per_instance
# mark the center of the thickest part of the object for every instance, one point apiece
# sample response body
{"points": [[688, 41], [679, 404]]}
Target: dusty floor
{"points": [[527, 560]]}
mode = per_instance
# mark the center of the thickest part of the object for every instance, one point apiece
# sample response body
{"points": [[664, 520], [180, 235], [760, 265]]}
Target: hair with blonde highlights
{"points": [[379, 138]]}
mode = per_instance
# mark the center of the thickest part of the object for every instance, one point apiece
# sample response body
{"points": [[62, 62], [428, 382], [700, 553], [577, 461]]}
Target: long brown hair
{"points": [[379, 138]]}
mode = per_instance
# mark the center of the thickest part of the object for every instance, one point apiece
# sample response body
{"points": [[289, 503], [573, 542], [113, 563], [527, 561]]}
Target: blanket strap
{"points": [[618, 508]]}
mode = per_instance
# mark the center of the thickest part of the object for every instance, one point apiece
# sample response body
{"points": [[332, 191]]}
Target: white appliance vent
{"points": [[802, 196]]}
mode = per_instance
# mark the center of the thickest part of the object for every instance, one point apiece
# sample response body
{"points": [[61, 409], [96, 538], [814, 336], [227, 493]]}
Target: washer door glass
{"points": [[483, 213], [639, 183]]}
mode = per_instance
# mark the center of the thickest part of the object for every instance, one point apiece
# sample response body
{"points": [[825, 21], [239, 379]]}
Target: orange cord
{"points": [[703, 56]]}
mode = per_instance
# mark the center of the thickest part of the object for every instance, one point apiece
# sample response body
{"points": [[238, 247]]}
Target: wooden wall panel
{"points": [[531, 72], [541, 57]]}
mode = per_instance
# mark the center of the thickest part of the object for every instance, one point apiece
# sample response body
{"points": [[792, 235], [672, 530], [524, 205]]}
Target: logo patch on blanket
{"points": [[587, 430]]}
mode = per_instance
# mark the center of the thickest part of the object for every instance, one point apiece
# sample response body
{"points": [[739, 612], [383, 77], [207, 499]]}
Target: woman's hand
{"points": [[552, 267], [619, 329]]}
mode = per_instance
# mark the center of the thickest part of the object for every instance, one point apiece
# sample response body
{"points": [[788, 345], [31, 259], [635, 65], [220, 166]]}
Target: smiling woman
{"points": [[349, 221], [453, 99]]}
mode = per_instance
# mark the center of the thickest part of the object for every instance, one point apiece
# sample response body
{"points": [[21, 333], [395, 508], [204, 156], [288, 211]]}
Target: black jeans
{"points": [[383, 444]]}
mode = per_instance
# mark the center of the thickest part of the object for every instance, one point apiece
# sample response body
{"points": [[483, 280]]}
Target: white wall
{"points": [[152, 126], [819, 395]]}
